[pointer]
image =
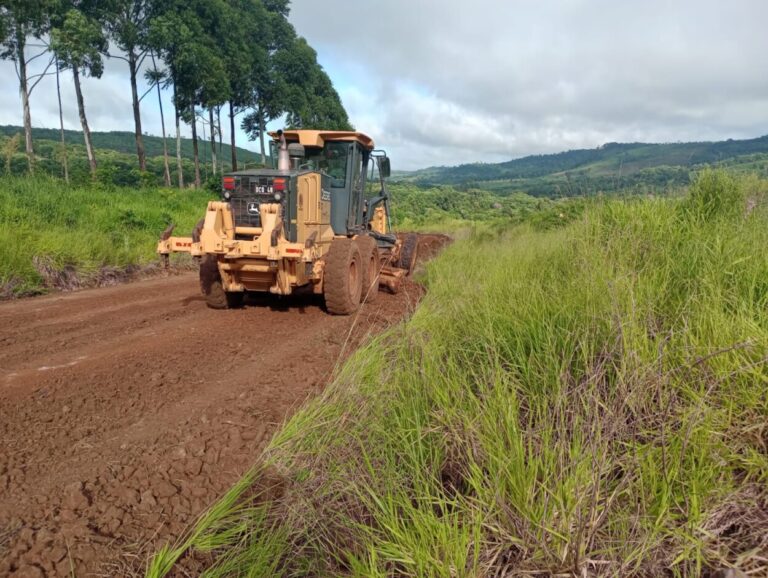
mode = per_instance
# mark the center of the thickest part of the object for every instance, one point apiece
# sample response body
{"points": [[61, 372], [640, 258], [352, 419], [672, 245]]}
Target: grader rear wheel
{"points": [[369, 251], [343, 277], [210, 283]]}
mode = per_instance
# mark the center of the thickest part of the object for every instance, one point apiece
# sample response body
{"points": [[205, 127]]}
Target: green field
{"points": [[578, 395], [50, 231]]}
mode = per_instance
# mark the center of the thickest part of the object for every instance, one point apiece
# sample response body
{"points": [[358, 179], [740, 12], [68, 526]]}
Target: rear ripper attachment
{"points": [[317, 221]]}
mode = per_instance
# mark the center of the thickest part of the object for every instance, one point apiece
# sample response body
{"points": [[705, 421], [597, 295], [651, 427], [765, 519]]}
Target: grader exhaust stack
{"points": [[318, 221]]}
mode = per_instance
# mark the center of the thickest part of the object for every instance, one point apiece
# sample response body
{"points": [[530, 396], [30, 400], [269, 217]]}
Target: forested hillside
{"points": [[611, 167], [116, 157], [124, 142]]}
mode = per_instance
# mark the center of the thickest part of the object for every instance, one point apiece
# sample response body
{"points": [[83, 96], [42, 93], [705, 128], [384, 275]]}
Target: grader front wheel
{"points": [[210, 283], [343, 277]]}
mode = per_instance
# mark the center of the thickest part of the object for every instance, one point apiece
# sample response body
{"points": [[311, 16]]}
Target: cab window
{"points": [[332, 159]]}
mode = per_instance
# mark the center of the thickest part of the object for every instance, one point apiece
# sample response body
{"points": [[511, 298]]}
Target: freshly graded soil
{"points": [[126, 411]]}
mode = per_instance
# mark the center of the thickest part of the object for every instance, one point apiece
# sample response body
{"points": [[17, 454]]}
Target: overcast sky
{"points": [[441, 82]]}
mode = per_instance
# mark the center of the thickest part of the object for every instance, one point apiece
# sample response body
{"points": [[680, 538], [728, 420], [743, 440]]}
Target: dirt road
{"points": [[125, 411]]}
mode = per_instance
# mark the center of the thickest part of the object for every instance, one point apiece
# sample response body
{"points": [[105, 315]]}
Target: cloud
{"points": [[483, 80]]}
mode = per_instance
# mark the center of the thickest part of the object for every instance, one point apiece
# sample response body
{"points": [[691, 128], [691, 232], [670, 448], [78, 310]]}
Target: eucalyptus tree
{"points": [[78, 43], [156, 78], [245, 50], [187, 34], [20, 21], [127, 22], [310, 100], [293, 83]]}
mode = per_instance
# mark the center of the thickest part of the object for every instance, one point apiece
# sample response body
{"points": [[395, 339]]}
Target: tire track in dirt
{"points": [[125, 411]]}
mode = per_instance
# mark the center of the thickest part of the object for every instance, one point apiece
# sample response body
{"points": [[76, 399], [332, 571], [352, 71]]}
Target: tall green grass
{"points": [[82, 229], [576, 400]]}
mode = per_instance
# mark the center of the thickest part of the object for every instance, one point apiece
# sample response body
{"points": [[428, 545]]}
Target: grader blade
{"points": [[391, 278]]}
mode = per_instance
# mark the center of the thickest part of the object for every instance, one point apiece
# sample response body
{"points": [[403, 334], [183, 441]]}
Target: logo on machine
{"points": [[253, 208], [325, 195]]}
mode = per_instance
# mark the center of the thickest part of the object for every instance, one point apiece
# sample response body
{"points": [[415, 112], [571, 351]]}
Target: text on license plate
{"points": [[264, 189]]}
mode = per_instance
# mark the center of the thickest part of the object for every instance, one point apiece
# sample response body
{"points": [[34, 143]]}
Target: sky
{"points": [[444, 82]]}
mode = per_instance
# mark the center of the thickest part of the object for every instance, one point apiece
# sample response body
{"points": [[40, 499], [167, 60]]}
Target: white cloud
{"points": [[487, 79]]}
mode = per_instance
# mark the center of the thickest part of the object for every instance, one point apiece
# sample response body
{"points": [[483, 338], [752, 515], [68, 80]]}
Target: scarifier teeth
{"points": [[168, 232]]}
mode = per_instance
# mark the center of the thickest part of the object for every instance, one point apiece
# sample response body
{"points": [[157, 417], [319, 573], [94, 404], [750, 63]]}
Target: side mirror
{"points": [[385, 168]]}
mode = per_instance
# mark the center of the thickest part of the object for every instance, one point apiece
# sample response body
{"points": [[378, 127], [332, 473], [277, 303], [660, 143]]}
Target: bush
{"points": [[715, 193]]}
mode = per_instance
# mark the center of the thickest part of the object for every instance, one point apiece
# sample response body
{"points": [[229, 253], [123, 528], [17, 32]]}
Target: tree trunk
{"points": [[213, 139], [166, 165], [132, 66], [179, 164], [84, 121], [218, 128], [195, 148], [232, 135], [262, 128], [64, 161], [20, 43]]}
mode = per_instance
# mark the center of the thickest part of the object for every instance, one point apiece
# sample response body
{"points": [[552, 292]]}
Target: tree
{"points": [[64, 159], [166, 43], [186, 34], [295, 84], [127, 23], [156, 78], [311, 101], [79, 43], [19, 20], [246, 57]]}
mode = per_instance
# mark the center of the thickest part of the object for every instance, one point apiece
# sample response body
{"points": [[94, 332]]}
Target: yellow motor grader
{"points": [[317, 221]]}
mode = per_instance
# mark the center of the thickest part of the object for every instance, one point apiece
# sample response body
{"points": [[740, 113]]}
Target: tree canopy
{"points": [[212, 53]]}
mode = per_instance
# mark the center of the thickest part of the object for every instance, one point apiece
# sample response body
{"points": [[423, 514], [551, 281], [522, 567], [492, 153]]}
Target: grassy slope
{"points": [[589, 398], [44, 221]]}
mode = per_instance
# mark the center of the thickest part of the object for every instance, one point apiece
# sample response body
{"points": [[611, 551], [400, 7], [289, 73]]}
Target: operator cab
{"points": [[343, 158], [346, 157]]}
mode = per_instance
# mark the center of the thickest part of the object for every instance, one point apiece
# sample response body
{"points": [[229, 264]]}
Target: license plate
{"points": [[263, 189]]}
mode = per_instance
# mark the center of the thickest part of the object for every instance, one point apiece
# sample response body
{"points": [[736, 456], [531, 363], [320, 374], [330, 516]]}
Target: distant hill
{"points": [[116, 156], [124, 142], [611, 167]]}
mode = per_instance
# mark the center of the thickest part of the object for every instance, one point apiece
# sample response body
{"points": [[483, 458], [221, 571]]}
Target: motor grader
{"points": [[318, 221]]}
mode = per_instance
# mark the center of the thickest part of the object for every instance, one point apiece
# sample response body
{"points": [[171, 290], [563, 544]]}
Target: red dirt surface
{"points": [[125, 412]]}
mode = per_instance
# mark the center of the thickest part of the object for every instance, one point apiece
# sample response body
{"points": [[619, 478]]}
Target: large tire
{"points": [[343, 277], [409, 253], [369, 252], [210, 283]]}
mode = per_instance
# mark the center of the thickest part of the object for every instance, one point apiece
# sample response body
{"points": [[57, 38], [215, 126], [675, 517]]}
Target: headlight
{"points": [[227, 195], [278, 197]]}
